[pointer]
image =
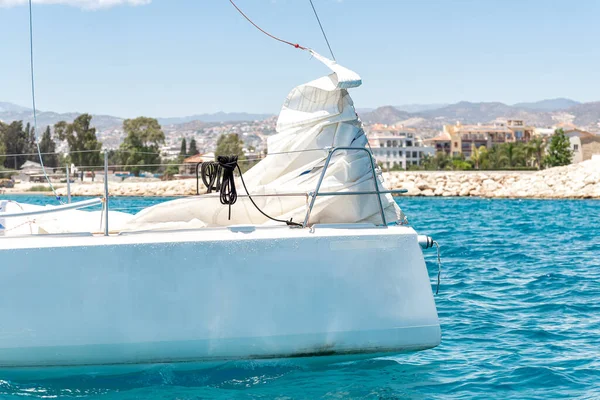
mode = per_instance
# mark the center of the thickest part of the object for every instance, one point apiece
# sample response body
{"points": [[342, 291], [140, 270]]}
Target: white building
{"points": [[397, 146], [578, 137], [170, 152], [583, 143]]}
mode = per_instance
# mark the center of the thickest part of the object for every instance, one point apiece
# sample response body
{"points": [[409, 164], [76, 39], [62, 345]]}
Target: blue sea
{"points": [[519, 307]]}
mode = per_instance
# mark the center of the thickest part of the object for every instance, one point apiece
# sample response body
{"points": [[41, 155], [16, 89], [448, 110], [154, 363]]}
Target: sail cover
{"points": [[315, 116]]}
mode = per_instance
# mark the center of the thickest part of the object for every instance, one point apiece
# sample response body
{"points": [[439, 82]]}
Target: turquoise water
{"points": [[519, 307]]}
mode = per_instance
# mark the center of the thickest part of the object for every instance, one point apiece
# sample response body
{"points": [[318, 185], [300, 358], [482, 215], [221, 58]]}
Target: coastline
{"points": [[575, 181]]}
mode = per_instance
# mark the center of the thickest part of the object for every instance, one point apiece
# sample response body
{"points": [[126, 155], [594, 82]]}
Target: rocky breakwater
{"points": [[580, 181]]}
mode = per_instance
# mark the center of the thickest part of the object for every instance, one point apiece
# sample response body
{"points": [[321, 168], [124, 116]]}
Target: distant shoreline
{"points": [[575, 181]]}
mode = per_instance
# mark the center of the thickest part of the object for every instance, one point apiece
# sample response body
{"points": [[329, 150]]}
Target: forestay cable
{"points": [[35, 129], [322, 30]]}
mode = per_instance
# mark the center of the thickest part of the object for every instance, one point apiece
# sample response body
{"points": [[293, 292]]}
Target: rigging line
{"points": [[322, 30], [49, 153], [35, 129], [439, 260], [296, 45]]}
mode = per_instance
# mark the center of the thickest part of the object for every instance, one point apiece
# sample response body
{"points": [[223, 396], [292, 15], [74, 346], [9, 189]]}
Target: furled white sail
{"points": [[315, 116]]}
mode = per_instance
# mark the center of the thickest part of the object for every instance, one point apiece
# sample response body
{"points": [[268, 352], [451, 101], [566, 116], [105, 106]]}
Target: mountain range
{"points": [[12, 112], [428, 117], [216, 117], [543, 113]]}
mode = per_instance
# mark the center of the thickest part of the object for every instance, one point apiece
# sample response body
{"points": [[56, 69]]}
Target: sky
{"points": [[167, 58]]}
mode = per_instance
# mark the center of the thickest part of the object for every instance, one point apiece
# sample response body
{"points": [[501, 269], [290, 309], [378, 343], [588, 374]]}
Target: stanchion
{"points": [[105, 193], [68, 186]]}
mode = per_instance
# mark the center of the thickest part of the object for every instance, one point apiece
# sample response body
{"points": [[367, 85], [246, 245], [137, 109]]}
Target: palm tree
{"points": [[536, 147], [496, 158], [478, 155], [438, 162], [513, 153]]}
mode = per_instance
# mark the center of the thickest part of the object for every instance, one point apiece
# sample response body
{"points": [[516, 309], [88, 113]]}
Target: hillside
{"points": [[548, 105], [216, 117], [415, 108], [12, 112], [586, 114], [385, 115], [429, 119]]}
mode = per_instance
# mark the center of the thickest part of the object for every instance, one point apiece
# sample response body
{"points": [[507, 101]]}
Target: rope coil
{"points": [[227, 191], [219, 176], [210, 173]]}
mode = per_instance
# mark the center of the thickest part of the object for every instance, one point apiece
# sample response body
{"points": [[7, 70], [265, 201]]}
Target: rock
{"points": [[464, 191], [580, 180], [423, 185]]}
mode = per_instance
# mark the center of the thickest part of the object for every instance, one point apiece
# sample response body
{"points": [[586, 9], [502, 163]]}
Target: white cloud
{"points": [[86, 4]]}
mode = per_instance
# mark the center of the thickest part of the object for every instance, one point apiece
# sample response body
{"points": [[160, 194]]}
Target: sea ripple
{"points": [[519, 307]]}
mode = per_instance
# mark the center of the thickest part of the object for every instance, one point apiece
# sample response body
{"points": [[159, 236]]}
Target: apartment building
{"points": [[397, 146], [460, 139]]}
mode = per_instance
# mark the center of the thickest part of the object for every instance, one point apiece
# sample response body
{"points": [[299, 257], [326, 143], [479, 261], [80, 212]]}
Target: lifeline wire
{"points": [[35, 129], [322, 30], [439, 260]]}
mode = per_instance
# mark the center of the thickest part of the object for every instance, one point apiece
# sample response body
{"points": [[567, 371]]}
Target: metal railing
{"points": [[50, 210], [376, 191], [310, 195]]}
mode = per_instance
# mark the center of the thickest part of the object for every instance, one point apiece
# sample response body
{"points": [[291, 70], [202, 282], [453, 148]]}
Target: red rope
{"points": [[296, 45]]}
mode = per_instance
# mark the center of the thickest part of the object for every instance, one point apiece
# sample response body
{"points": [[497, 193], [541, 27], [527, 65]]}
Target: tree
{"points": [[115, 157], [230, 145], [559, 150], [15, 141], [2, 146], [2, 152], [478, 155], [514, 154], [459, 163], [193, 149], [536, 149], [183, 151], [496, 157], [31, 143], [48, 149], [438, 162], [84, 147], [141, 147]]}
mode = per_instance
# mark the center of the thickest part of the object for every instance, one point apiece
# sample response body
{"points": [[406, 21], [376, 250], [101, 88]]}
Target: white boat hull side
{"points": [[213, 294]]}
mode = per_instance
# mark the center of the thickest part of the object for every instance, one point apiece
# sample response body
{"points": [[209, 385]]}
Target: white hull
{"points": [[212, 294]]}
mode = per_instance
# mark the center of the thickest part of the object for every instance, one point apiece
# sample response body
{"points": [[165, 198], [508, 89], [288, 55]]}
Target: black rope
{"points": [[288, 223], [227, 191], [219, 176], [211, 174]]}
